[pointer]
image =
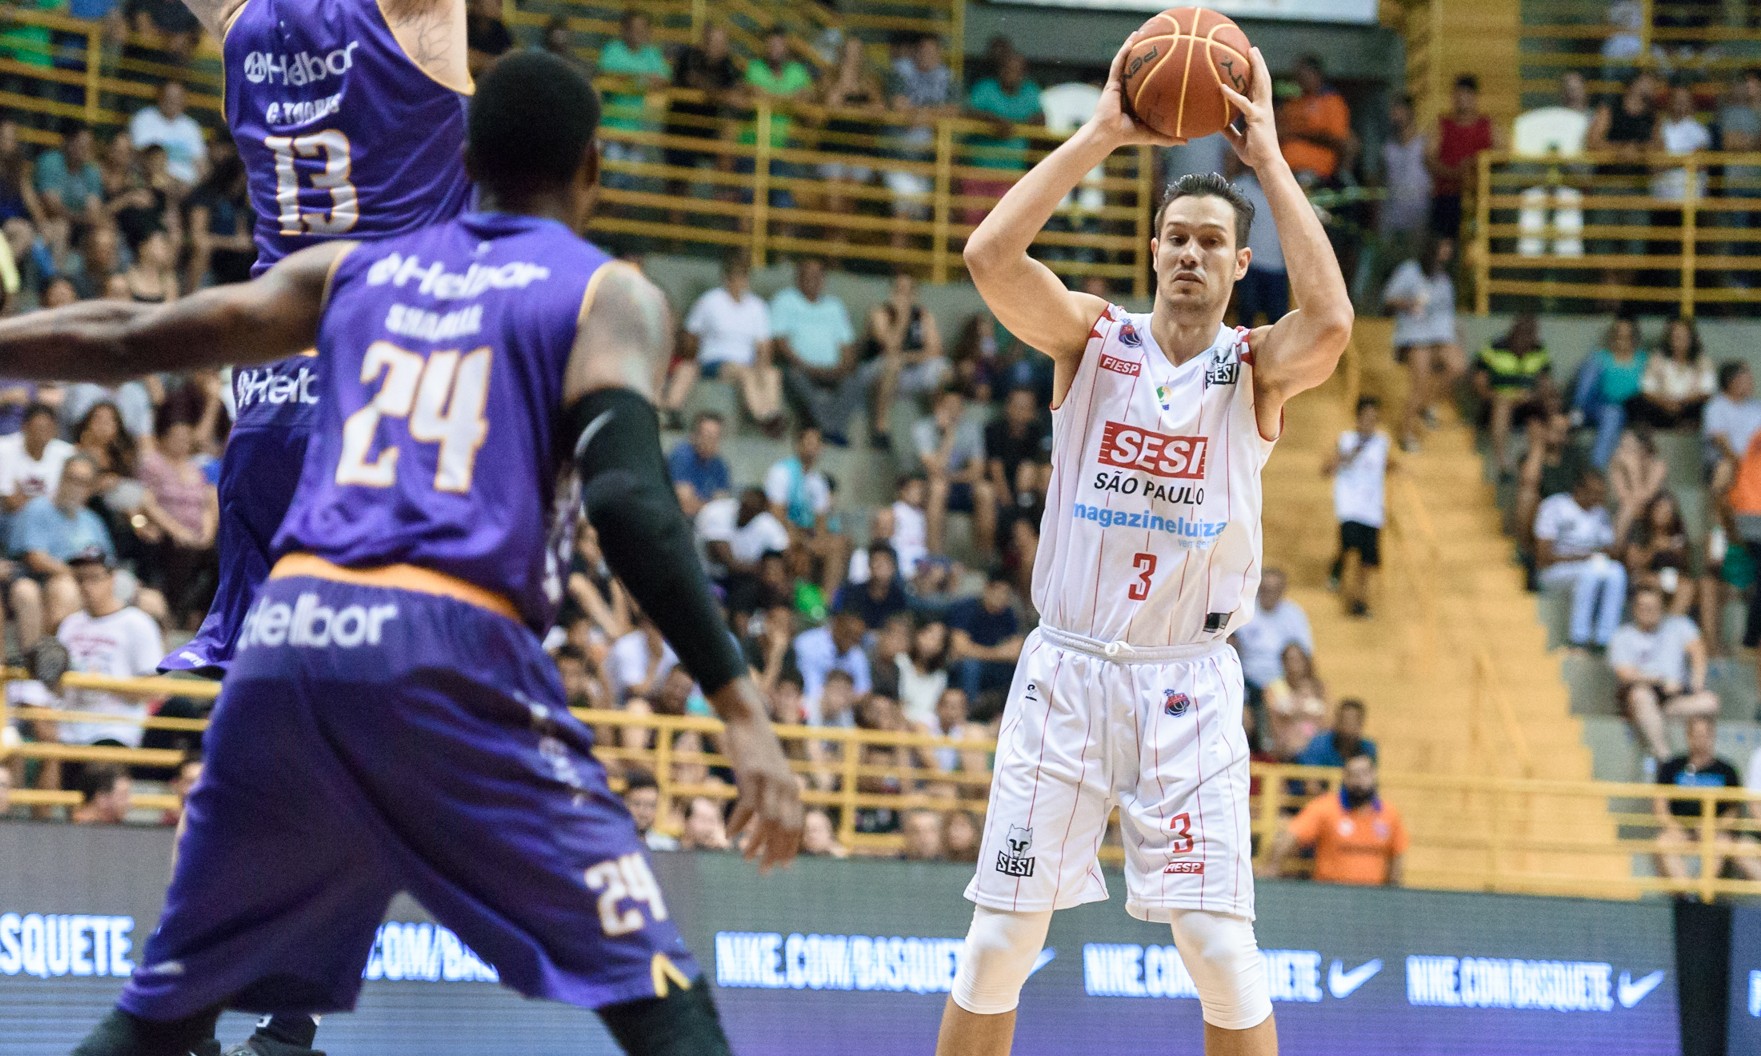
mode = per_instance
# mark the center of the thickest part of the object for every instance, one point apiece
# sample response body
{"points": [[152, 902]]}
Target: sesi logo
{"points": [[1120, 366], [1130, 447]]}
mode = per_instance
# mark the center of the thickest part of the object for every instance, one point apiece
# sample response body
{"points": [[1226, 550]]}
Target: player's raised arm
{"points": [[271, 317], [622, 347], [1299, 351], [1024, 294]]}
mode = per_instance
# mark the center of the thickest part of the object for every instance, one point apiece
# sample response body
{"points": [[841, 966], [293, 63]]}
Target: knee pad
{"points": [[997, 959], [1223, 958]]}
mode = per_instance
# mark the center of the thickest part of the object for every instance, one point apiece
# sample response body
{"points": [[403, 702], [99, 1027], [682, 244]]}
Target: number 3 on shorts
{"points": [[1181, 826], [1146, 567]]}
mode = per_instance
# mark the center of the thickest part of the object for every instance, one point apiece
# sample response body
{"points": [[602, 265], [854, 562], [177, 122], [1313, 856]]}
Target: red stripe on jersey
{"points": [[1198, 751], [1075, 805], [1049, 688]]}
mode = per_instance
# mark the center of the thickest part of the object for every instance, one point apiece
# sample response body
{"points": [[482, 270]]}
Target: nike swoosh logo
{"points": [[1045, 958], [587, 434], [1631, 993], [1342, 984]]}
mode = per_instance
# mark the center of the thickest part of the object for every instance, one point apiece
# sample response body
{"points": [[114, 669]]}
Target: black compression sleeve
{"points": [[643, 532]]}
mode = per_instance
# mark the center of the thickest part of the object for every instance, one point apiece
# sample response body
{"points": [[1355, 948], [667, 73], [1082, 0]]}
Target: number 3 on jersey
{"points": [[442, 396], [1146, 567], [345, 205]]}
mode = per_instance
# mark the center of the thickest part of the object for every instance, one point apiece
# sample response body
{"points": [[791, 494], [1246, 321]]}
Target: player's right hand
{"points": [[769, 807], [1110, 117]]}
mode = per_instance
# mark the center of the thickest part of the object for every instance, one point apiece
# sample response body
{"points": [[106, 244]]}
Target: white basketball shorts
{"points": [[1157, 732]]}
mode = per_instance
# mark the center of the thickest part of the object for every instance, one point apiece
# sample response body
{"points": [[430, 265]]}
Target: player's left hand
{"points": [[1256, 142], [769, 808]]}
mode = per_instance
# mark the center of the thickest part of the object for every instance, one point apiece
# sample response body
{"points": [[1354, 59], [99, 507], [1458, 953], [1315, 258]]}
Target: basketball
{"points": [[1174, 75]]}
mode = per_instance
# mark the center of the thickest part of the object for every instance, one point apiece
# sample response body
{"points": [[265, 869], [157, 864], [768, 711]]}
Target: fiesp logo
{"points": [[1120, 366], [1130, 447]]}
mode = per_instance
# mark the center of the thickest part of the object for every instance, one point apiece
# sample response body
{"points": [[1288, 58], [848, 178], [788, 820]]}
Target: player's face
{"points": [[1197, 262]]}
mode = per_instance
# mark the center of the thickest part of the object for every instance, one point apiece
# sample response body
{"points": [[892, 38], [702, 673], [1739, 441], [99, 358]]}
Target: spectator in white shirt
{"points": [[31, 459], [639, 661], [106, 637], [1574, 539], [904, 524], [1277, 622], [165, 124], [1679, 132], [737, 533], [1661, 664], [1733, 416], [1358, 469], [728, 333]]}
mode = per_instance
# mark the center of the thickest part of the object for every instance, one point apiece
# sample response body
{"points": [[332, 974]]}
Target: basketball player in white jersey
{"points": [[1149, 558]]}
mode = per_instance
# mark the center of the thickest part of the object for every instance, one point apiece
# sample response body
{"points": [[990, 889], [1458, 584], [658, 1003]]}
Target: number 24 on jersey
{"points": [[440, 397]]}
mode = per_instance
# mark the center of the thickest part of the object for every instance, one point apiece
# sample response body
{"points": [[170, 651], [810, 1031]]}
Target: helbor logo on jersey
{"points": [[1016, 861], [301, 67], [1131, 447], [1120, 366], [1175, 704]]}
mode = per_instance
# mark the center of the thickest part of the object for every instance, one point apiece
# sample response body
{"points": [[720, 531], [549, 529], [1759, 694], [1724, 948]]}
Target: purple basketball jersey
{"points": [[436, 442], [342, 135]]}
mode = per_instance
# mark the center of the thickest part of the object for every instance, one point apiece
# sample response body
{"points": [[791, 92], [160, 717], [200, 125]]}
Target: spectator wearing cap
{"points": [[106, 637], [950, 451], [699, 472], [882, 596], [31, 459], [1356, 836], [834, 646], [986, 638], [44, 536]]}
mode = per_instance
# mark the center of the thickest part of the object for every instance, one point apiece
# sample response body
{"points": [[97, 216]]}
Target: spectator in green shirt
{"points": [[633, 60], [1008, 99], [30, 44], [816, 343], [776, 78]]}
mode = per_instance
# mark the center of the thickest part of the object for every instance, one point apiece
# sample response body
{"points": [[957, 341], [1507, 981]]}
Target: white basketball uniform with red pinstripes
{"points": [[1128, 693]]}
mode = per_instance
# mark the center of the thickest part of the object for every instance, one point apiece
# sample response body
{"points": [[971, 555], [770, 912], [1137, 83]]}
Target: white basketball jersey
{"points": [[1151, 533]]}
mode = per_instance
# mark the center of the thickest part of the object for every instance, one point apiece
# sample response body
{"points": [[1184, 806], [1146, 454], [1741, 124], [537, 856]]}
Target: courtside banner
{"points": [[1745, 981], [1362, 12], [856, 957]]}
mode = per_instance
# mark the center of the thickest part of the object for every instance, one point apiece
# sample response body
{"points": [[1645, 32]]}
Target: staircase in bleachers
{"points": [[1454, 665]]}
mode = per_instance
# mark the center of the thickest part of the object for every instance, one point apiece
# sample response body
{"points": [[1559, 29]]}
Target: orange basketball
{"points": [[1175, 71]]}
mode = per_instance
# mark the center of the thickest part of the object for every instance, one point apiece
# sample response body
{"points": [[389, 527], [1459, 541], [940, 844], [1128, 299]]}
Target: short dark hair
{"points": [[708, 416], [72, 127], [1208, 185], [631, 14], [1310, 61], [1354, 704], [876, 549], [637, 780], [1360, 754], [1364, 403], [97, 780], [532, 120], [568, 651], [1406, 99], [1727, 373], [1469, 81], [839, 673], [36, 409]]}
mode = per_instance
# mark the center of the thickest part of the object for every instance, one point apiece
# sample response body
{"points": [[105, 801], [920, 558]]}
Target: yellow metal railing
{"points": [[1571, 35], [1592, 227], [1499, 838]]}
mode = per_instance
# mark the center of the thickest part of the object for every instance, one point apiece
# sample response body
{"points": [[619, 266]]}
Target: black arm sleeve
{"points": [[644, 534]]}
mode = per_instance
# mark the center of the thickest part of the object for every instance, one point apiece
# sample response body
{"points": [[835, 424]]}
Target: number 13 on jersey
{"points": [[332, 147], [440, 396]]}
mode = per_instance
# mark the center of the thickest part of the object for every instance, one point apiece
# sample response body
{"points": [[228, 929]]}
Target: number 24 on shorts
{"points": [[626, 878]]}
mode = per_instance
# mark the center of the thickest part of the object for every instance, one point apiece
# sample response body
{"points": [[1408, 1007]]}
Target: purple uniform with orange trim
{"points": [[391, 721], [342, 136]]}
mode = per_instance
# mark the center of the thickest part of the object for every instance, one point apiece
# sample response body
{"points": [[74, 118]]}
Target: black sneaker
{"points": [[258, 1045]]}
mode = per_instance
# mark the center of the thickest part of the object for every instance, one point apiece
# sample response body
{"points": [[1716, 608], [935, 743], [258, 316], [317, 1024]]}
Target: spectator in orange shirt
{"points": [[1315, 127], [1357, 838]]}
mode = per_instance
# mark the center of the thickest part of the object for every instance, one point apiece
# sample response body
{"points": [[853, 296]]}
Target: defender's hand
{"points": [[1256, 143], [1110, 118], [769, 808]]}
